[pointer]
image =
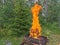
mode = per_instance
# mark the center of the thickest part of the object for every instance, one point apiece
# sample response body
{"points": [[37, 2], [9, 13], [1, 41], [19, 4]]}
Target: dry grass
{"points": [[54, 39]]}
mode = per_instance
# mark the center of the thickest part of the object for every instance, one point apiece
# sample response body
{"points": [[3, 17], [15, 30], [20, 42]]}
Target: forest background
{"points": [[16, 20]]}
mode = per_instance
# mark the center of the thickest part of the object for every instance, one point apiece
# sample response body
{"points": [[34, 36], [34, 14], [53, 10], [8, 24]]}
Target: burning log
{"points": [[31, 41]]}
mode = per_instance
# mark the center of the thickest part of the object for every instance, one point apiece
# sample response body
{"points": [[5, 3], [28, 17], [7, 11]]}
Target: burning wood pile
{"points": [[34, 37], [31, 41]]}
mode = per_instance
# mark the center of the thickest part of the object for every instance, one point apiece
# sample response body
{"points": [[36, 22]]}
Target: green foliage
{"points": [[15, 17]]}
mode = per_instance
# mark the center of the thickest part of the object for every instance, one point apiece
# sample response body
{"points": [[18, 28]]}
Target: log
{"points": [[42, 40]]}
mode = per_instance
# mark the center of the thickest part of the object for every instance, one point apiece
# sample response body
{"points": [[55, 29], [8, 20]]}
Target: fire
{"points": [[35, 30]]}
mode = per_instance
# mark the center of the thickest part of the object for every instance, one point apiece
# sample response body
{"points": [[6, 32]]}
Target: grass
{"points": [[53, 40], [13, 40], [53, 36]]}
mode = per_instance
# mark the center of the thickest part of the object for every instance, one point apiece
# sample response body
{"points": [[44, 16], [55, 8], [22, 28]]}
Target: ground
{"points": [[53, 36]]}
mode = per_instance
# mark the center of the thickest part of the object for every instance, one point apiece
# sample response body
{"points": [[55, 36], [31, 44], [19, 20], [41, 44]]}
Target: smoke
{"points": [[31, 2], [35, 1]]}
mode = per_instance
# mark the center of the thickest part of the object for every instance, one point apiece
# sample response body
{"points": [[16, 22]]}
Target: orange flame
{"points": [[35, 30]]}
